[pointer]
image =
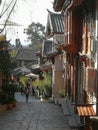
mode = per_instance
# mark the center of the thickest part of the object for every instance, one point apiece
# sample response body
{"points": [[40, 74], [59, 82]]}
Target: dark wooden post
{"points": [[87, 123]]}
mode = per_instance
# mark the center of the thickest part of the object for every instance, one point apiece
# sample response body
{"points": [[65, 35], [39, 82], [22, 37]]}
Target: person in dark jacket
{"points": [[27, 93]]}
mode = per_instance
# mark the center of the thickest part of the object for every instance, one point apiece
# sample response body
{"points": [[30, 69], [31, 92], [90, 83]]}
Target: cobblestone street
{"points": [[34, 115]]}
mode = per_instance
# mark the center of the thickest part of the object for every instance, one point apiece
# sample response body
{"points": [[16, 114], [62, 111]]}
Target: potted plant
{"points": [[3, 102], [10, 90], [62, 93], [10, 103], [13, 89]]}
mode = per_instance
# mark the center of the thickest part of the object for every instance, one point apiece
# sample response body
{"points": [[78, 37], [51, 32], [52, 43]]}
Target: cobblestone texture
{"points": [[34, 115]]}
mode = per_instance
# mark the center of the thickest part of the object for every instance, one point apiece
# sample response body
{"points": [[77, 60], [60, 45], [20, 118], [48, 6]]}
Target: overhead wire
{"points": [[8, 16], [6, 9], [3, 7]]}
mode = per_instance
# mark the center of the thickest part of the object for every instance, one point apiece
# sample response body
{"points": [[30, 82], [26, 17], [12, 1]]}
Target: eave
{"points": [[57, 6], [71, 4], [86, 110], [55, 24], [61, 5]]}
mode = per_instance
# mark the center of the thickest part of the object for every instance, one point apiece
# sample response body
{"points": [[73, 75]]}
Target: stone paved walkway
{"points": [[34, 115]]}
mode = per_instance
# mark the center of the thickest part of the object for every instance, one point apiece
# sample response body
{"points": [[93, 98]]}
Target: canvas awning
{"points": [[86, 110]]}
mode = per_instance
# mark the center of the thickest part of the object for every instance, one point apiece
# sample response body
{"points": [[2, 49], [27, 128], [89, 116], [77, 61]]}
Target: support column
{"points": [[96, 32]]}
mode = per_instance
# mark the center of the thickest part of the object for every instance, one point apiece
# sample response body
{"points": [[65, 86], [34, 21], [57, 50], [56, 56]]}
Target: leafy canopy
{"points": [[36, 34]]}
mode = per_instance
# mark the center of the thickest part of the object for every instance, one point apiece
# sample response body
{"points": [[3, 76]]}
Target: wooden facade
{"points": [[79, 39], [80, 45], [55, 29]]}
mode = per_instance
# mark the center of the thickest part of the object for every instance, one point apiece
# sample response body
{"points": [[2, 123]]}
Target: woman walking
{"points": [[27, 93]]}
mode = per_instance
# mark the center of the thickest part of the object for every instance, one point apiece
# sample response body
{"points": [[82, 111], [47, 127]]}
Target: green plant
{"points": [[10, 99], [46, 84], [3, 99], [13, 89], [5, 58], [9, 90], [62, 93]]}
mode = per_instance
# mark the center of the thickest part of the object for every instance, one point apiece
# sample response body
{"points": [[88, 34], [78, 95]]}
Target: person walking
{"points": [[27, 93], [38, 91]]}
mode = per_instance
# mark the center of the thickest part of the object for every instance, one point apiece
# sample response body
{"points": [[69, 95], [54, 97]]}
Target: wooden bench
{"points": [[68, 110]]}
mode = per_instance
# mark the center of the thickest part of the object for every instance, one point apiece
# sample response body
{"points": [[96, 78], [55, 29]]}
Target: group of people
{"points": [[27, 90]]}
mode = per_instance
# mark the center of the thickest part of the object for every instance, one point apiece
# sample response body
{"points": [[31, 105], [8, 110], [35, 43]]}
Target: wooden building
{"points": [[80, 45], [55, 31], [25, 57]]}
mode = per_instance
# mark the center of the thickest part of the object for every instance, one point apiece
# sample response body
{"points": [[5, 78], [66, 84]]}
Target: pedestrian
{"points": [[33, 92], [22, 88], [27, 93], [38, 91]]}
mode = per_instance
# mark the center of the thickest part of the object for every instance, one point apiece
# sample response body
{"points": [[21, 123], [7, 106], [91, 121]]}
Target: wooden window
{"points": [[88, 27]]}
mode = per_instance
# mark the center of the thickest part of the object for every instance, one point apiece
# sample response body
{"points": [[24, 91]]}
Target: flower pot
{"points": [[9, 106], [14, 103], [3, 108]]}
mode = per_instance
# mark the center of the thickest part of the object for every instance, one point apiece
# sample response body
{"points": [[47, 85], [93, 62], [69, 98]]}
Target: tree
{"points": [[5, 61], [46, 84], [36, 34]]}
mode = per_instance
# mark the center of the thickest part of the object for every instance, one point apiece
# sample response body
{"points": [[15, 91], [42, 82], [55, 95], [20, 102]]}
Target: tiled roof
{"points": [[27, 55], [55, 23], [86, 111]]}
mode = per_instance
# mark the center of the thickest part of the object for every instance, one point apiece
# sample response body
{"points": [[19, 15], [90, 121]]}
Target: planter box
{"points": [[3, 108], [9, 106], [14, 104]]}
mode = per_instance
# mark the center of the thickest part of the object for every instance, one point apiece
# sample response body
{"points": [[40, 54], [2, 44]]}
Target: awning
{"points": [[58, 4], [36, 69], [32, 75], [86, 110]]}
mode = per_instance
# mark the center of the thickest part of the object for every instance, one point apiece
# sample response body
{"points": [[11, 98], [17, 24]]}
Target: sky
{"points": [[34, 10], [26, 12]]}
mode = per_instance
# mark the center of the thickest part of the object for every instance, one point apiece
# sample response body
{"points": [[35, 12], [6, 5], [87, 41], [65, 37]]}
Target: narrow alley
{"points": [[34, 115]]}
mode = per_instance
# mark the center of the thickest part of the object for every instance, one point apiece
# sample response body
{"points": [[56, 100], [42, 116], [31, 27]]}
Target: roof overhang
{"points": [[57, 6], [61, 5], [55, 24], [86, 110], [36, 69]]}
